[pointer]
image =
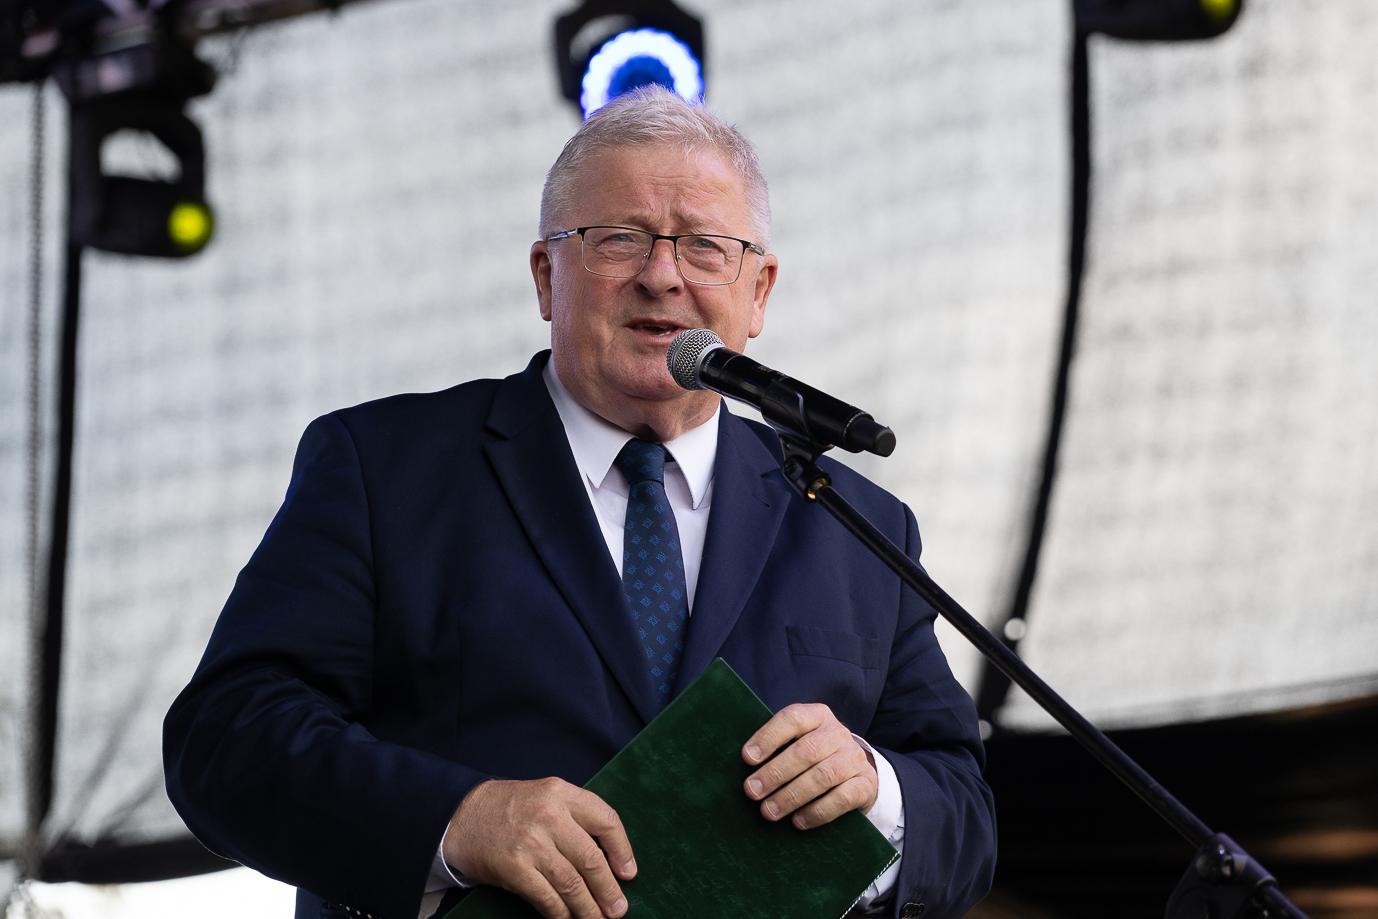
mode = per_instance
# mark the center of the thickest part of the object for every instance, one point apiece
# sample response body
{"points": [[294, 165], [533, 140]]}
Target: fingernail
{"points": [[618, 908], [629, 866], [753, 753], [771, 810], [800, 822], [753, 787]]}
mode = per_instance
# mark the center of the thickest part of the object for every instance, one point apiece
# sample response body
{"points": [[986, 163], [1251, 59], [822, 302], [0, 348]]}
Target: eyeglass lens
{"points": [[617, 252]]}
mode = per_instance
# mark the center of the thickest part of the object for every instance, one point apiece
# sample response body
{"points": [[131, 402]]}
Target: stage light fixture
{"points": [[1157, 20], [604, 48], [130, 67], [639, 58], [137, 215]]}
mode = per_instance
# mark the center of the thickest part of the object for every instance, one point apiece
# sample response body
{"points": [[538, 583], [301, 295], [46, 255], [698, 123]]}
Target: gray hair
{"points": [[648, 116]]}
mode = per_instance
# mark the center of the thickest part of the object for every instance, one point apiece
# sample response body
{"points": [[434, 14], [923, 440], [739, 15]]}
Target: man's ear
{"points": [[764, 284], [540, 273]]}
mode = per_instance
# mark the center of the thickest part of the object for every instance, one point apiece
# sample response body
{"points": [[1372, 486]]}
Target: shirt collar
{"points": [[595, 442]]}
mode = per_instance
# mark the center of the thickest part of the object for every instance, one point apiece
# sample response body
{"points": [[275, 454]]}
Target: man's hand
{"points": [[560, 848], [821, 773]]}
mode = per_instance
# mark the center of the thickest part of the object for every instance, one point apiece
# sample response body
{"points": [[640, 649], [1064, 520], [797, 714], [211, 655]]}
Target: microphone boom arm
{"points": [[1222, 880]]}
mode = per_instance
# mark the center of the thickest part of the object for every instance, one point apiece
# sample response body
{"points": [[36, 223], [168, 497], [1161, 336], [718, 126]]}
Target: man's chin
{"points": [[659, 391], [647, 378]]}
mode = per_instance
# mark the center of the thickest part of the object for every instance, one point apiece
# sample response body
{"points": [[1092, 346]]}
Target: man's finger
{"points": [[572, 888], [796, 759], [595, 876], [813, 782], [601, 822], [783, 727], [533, 887], [848, 796]]}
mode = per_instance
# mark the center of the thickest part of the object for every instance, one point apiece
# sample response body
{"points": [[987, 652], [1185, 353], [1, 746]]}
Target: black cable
{"points": [[994, 686], [48, 631]]}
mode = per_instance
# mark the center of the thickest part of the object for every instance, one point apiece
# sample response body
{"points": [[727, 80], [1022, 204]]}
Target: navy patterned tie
{"points": [[652, 563]]}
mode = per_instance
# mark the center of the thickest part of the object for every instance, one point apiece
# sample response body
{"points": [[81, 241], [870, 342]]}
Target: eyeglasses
{"points": [[621, 252]]}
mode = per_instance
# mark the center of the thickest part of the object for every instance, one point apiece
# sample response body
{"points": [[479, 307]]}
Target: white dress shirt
{"points": [[595, 444]]}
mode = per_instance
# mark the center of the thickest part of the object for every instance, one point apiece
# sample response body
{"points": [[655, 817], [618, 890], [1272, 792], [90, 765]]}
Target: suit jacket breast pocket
{"points": [[841, 669], [861, 650]]}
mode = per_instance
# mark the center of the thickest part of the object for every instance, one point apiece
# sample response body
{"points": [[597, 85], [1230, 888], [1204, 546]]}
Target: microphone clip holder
{"points": [[801, 463], [783, 409], [1221, 881]]}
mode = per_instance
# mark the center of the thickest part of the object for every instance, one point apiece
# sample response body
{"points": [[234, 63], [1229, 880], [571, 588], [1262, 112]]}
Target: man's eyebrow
{"points": [[686, 223], [635, 223], [692, 223]]}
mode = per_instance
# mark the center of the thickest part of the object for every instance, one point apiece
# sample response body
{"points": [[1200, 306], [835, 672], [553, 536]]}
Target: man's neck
{"points": [[662, 421], [595, 441]]}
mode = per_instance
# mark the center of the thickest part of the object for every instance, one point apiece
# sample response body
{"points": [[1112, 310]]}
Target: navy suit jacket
{"points": [[434, 605]]}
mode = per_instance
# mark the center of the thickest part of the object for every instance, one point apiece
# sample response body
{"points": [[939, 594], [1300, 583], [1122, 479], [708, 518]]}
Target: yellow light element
{"points": [[1219, 9], [190, 225]]}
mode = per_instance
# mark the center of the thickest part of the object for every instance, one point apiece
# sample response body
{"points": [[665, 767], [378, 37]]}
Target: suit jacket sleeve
{"points": [[927, 729], [268, 752]]}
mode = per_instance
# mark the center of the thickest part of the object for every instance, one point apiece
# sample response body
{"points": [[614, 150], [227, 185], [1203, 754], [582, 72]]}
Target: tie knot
{"points": [[642, 461]]}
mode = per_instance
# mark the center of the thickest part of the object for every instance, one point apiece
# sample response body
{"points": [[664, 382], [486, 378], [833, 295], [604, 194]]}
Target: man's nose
{"points": [[660, 275]]}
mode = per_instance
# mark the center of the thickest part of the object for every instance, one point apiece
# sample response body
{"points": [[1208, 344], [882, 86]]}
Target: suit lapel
{"points": [[532, 459], [748, 506]]}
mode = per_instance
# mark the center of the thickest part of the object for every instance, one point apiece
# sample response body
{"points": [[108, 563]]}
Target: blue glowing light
{"points": [[636, 58]]}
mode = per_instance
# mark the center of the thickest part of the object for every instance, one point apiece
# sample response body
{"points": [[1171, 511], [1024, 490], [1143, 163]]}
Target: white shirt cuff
{"points": [[887, 816], [442, 875]]}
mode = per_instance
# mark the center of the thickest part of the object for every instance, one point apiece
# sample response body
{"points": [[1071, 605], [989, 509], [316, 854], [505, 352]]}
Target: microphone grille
{"points": [[686, 353]]}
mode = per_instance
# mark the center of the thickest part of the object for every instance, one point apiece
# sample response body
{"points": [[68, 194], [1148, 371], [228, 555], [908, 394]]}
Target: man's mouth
{"points": [[653, 327]]}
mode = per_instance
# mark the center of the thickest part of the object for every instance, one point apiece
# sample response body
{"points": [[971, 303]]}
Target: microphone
{"points": [[698, 359]]}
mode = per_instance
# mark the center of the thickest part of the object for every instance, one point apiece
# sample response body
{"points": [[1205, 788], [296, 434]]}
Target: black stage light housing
{"points": [[164, 218], [136, 76], [606, 47], [130, 66], [1156, 20]]}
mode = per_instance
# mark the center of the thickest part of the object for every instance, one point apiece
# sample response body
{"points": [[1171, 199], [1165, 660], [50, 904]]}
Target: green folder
{"points": [[702, 847]]}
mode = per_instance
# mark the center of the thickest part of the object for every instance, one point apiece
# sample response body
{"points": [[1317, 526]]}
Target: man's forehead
{"points": [[689, 187], [670, 162]]}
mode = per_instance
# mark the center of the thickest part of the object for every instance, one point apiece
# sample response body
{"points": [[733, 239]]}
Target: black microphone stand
{"points": [[1223, 881]]}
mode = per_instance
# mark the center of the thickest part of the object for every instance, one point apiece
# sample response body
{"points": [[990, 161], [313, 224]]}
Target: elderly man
{"points": [[445, 630]]}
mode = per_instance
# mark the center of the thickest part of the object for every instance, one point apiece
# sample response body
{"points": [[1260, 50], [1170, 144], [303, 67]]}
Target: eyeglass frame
{"points": [[674, 238]]}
